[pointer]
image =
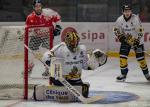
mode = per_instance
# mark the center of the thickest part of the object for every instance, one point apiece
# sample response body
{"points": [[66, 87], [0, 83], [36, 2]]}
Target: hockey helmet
{"points": [[72, 40], [66, 30], [126, 7], [36, 1]]}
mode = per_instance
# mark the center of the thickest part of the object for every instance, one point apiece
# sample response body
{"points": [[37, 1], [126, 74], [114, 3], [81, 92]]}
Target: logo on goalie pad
{"points": [[60, 94], [55, 93]]}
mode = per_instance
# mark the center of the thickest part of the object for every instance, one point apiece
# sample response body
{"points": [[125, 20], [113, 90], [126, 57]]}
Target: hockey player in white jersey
{"points": [[75, 59], [129, 31]]}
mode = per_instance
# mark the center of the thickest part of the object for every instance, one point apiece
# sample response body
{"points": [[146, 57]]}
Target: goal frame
{"points": [[26, 53]]}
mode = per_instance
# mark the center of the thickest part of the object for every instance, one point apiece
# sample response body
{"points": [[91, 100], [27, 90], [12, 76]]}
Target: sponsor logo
{"points": [[62, 98], [92, 36], [56, 92], [128, 30], [74, 62], [57, 95], [50, 97]]}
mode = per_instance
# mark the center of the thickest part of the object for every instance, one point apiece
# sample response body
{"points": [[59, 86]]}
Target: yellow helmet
{"points": [[72, 40]]}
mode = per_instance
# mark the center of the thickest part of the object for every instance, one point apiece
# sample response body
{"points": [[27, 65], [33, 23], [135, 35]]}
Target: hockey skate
{"points": [[147, 76], [121, 78], [45, 74]]}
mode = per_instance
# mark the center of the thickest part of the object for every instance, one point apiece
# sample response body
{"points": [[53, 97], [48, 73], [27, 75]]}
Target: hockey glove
{"points": [[119, 35], [132, 41], [122, 38], [57, 30], [136, 43]]}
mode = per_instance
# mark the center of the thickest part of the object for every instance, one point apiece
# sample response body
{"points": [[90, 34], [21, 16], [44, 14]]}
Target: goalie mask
{"points": [[72, 40]]}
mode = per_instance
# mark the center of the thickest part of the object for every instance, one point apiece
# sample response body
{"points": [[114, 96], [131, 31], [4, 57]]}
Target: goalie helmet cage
{"points": [[14, 80], [38, 32]]}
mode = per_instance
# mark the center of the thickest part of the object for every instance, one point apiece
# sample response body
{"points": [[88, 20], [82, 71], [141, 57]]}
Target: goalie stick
{"points": [[147, 53], [73, 90]]}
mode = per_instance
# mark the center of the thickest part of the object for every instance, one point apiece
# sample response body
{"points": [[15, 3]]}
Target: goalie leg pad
{"points": [[55, 93], [38, 93]]}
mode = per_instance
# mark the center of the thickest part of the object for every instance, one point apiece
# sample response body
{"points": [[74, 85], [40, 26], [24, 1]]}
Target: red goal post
{"points": [[40, 31]]}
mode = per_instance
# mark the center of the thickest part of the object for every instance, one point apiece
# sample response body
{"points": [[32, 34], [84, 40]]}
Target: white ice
{"points": [[101, 79]]}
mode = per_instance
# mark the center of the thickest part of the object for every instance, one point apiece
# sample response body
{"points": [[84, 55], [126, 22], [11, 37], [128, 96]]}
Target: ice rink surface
{"points": [[101, 79]]}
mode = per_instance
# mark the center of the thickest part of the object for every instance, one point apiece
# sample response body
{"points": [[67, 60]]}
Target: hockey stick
{"points": [[143, 51], [74, 91], [147, 53], [35, 55]]}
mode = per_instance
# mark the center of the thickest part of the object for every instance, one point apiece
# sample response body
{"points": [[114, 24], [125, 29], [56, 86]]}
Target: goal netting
{"points": [[15, 81]]}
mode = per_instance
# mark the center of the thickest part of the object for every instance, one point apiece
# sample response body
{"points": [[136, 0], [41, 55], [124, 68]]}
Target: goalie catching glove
{"points": [[96, 59]]}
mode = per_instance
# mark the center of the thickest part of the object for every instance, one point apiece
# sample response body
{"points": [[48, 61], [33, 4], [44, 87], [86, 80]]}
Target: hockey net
{"points": [[15, 83]]}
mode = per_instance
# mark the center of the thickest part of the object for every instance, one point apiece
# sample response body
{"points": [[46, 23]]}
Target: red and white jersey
{"points": [[48, 17], [73, 63], [51, 15]]}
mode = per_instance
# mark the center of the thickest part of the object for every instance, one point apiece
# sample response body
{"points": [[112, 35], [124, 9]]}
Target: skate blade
{"points": [[123, 80], [45, 77]]}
